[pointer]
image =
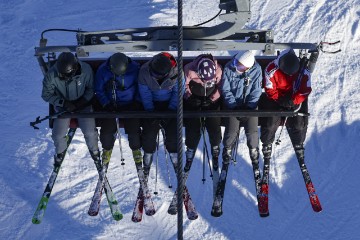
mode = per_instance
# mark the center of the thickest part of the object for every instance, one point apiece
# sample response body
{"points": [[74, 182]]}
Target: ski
{"points": [[216, 210], [139, 207], [191, 212], [103, 184], [263, 199], [216, 175], [314, 199], [144, 197], [112, 202], [257, 178], [96, 199], [40, 210], [188, 203]]}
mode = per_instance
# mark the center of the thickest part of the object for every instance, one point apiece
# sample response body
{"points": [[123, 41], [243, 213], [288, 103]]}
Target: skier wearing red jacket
{"points": [[287, 87]]}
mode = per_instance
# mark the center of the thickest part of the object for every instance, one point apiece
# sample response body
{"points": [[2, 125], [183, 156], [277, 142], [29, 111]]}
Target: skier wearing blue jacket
{"points": [[116, 89], [241, 89], [159, 92]]}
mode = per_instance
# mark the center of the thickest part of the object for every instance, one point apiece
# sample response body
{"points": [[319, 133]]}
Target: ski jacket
{"points": [[195, 86], [151, 91], [278, 84], [126, 87], [56, 91], [241, 90]]}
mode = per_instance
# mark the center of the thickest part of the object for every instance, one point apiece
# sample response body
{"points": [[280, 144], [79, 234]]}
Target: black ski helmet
{"points": [[289, 63], [67, 64], [160, 65], [119, 63]]}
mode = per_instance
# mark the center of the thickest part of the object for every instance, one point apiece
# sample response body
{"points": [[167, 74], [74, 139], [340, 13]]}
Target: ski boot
{"points": [[137, 155], [190, 154], [95, 155], [147, 160], [300, 152], [105, 156], [266, 150], [58, 158], [226, 156]]}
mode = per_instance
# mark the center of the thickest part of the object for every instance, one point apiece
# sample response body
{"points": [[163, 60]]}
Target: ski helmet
{"points": [[160, 65], [289, 63], [118, 63], [206, 69], [67, 65]]}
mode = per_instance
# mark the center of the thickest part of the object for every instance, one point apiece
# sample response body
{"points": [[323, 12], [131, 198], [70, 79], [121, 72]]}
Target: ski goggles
{"points": [[68, 75], [238, 66]]}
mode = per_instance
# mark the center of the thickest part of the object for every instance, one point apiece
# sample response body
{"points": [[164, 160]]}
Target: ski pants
{"points": [[151, 127], [232, 130], [87, 126], [132, 128], [193, 127], [295, 126]]}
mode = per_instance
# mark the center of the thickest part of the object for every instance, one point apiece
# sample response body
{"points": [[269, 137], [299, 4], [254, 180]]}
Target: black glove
{"points": [[69, 106], [193, 102], [206, 103], [109, 107], [286, 101], [80, 103]]}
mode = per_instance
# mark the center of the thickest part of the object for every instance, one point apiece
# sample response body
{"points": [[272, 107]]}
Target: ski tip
{"points": [[263, 215], [136, 220], [93, 214], [317, 209], [118, 217], [216, 214], [36, 221]]}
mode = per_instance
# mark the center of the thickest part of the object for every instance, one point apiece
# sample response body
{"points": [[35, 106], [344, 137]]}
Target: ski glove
{"points": [[80, 103], [69, 106], [193, 102], [286, 101]]}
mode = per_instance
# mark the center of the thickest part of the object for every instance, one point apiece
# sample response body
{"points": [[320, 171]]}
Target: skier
{"points": [[202, 92], [116, 89], [287, 86], [68, 86], [241, 90], [159, 92]]}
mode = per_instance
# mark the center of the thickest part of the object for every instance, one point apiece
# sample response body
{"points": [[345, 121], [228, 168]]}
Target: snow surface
{"points": [[331, 146]]}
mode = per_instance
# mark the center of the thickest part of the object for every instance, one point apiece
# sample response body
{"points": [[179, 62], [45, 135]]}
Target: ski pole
{"points": [[157, 162], [282, 127], [166, 157], [119, 137], [38, 120], [202, 125]]}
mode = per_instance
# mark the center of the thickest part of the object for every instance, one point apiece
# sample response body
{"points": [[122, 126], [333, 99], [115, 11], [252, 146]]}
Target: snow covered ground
{"points": [[331, 146]]}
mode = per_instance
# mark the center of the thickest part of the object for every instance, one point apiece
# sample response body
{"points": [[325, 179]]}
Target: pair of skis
{"points": [[144, 198], [103, 185], [188, 203], [41, 208], [263, 189]]}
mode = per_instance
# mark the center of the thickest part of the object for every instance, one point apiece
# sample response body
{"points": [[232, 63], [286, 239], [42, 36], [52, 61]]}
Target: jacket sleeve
{"points": [[256, 90], [100, 82], [48, 91], [187, 93], [145, 92], [173, 103], [229, 98], [270, 85], [89, 89], [305, 88]]}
